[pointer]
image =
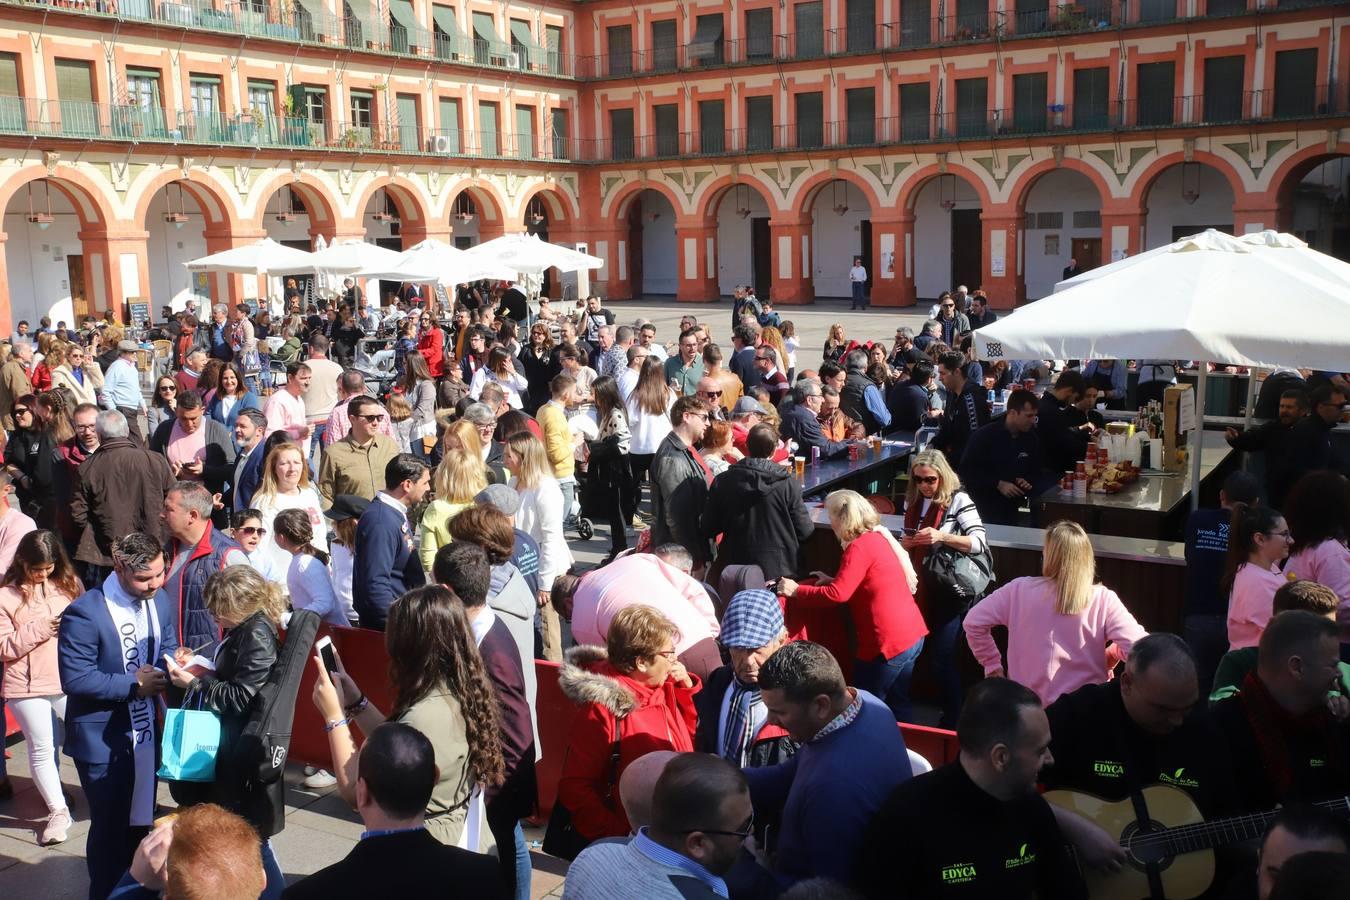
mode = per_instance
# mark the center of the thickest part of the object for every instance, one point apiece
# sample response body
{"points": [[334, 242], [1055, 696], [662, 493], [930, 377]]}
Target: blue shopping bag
{"points": [[189, 746]]}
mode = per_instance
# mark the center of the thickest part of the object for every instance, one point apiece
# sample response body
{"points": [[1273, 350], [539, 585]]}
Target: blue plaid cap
{"points": [[753, 619]]}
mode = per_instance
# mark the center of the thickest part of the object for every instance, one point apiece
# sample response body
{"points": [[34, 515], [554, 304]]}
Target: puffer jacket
{"points": [[28, 643], [187, 586], [243, 665], [757, 508], [646, 718], [121, 490]]}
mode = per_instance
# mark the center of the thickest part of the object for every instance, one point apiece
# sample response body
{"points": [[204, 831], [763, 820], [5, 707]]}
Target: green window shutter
{"points": [[74, 81], [9, 75], [525, 148]]}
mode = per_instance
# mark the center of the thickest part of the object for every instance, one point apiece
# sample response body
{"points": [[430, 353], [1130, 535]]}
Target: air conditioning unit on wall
{"points": [[440, 143], [513, 60]]}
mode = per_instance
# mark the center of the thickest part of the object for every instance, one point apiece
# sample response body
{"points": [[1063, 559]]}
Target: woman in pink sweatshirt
{"points": [[1059, 624], [36, 589], [1318, 513], [1258, 541]]}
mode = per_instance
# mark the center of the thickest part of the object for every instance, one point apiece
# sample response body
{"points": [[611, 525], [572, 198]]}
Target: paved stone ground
{"points": [[320, 829]]}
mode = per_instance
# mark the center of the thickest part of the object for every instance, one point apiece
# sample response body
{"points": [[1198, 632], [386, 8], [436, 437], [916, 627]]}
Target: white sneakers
{"points": [[56, 829], [318, 778]]}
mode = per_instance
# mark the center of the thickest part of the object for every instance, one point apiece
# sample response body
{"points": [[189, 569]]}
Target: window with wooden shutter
{"points": [[860, 21], [621, 133], [619, 44], [561, 145], [12, 116], [450, 124], [1155, 93], [409, 126], [1223, 88], [665, 56], [1295, 83], [915, 112], [916, 23], [759, 34], [525, 148], [1091, 98], [706, 47], [75, 96], [860, 106], [1029, 112], [666, 123], [449, 40], [712, 124], [972, 107], [810, 113], [808, 30], [488, 129], [758, 123]]}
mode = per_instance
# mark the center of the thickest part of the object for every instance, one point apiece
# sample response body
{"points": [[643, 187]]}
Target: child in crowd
{"points": [[310, 584], [400, 413], [345, 513]]}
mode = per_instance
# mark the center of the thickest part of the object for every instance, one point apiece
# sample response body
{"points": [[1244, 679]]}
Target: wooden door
{"points": [[865, 250], [75, 276], [761, 255], [635, 248], [967, 248], [1087, 252]]}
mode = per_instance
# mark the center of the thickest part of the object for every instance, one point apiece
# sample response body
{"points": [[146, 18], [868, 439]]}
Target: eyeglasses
{"points": [[949, 306], [926, 479], [21, 410], [1280, 534], [668, 654], [711, 393], [743, 832], [251, 530], [701, 415], [369, 417]]}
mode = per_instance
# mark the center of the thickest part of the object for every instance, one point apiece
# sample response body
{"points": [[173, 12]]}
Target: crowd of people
{"points": [[734, 724]]}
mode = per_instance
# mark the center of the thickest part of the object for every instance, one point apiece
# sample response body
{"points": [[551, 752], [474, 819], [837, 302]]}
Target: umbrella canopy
{"points": [[1262, 300], [350, 257], [436, 261], [527, 253], [265, 257]]}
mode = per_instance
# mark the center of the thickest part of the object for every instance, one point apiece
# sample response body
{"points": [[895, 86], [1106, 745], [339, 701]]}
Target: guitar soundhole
{"points": [[1142, 851]]}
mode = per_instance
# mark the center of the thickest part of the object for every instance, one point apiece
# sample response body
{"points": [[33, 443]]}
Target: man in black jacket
{"points": [[680, 479], [1063, 443], [1272, 439], [1003, 463], [909, 401], [397, 857], [757, 507], [967, 407]]}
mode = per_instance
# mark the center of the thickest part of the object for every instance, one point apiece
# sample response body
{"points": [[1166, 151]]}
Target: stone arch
{"points": [[559, 205], [316, 194], [806, 192], [87, 196], [1026, 180], [1290, 172], [712, 195], [214, 199], [1144, 180], [409, 198], [486, 197], [914, 184], [618, 204]]}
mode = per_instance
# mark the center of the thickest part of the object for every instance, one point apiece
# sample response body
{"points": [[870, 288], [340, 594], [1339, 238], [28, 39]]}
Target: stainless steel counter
{"points": [[832, 474]]}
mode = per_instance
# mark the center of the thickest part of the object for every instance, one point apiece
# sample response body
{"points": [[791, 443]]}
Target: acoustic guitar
{"points": [[1177, 839]]}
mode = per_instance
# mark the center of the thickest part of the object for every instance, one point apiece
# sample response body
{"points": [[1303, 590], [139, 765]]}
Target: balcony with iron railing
{"points": [[92, 121]]}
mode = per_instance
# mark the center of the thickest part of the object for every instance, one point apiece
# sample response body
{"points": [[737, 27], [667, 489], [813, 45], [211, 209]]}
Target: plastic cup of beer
{"points": [[876, 444], [799, 466]]}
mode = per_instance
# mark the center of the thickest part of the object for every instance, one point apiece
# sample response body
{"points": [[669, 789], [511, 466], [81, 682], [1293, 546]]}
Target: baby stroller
{"points": [[584, 506]]}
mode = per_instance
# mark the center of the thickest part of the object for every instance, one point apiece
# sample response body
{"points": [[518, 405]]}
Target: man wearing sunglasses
{"points": [[701, 815], [14, 381], [355, 465]]}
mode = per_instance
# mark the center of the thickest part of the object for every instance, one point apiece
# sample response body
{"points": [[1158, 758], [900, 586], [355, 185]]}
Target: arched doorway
{"points": [[652, 258], [948, 237], [1316, 207], [1063, 221], [45, 261], [841, 228], [744, 248], [175, 226], [1184, 199]]}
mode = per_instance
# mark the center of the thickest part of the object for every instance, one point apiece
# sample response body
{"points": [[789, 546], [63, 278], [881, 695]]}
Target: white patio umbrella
{"points": [[436, 261], [265, 257], [352, 257], [1261, 300], [528, 254]]}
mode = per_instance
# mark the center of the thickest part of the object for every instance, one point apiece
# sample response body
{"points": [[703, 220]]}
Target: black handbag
{"points": [[957, 580], [561, 838]]}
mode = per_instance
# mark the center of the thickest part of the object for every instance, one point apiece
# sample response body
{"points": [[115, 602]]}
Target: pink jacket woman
{"points": [[28, 643]]}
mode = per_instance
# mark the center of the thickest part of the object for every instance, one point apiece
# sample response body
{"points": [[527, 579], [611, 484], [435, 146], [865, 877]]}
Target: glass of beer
{"points": [[876, 444], [799, 466]]}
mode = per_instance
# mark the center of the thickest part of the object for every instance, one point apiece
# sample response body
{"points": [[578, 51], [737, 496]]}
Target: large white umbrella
{"points": [[436, 261], [351, 257], [265, 257], [527, 253], [1261, 300]]}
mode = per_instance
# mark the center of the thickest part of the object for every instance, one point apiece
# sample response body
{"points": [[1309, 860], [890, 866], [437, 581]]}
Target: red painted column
{"points": [[696, 261], [6, 308], [892, 259], [790, 255], [613, 281], [1122, 232], [1001, 279], [116, 268], [1258, 214]]}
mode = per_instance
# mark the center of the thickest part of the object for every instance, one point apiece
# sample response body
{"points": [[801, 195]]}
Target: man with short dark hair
{"points": [[966, 409], [851, 757], [285, 409], [397, 856], [1003, 463], [249, 430], [1297, 830], [980, 314], [196, 447], [355, 465], [766, 364], [463, 567], [195, 551], [1285, 745], [684, 369], [701, 815], [680, 479], [976, 827], [952, 321], [744, 340], [110, 651], [909, 401], [1272, 439], [1062, 443], [801, 422], [756, 505], [386, 563]]}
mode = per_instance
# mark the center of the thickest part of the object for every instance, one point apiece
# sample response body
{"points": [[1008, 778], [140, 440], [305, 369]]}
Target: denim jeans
{"points": [[942, 642], [569, 492], [1207, 636], [523, 870], [888, 679], [276, 879]]}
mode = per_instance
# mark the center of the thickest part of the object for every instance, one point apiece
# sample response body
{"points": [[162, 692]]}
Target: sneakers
{"points": [[54, 832], [319, 779]]}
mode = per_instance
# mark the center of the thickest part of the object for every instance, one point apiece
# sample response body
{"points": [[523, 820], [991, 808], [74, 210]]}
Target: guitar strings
{"points": [[1182, 832]]}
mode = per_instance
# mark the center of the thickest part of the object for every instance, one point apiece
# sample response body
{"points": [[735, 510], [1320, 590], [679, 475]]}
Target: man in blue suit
{"points": [[387, 564], [249, 430], [110, 653]]}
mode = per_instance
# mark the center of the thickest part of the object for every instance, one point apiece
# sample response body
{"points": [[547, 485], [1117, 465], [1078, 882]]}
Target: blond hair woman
{"points": [[939, 513], [459, 477], [1059, 623], [286, 485], [541, 517], [77, 372], [876, 582]]}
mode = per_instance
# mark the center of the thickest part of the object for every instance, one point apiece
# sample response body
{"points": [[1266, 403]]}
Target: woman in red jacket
{"points": [[633, 691], [877, 582]]}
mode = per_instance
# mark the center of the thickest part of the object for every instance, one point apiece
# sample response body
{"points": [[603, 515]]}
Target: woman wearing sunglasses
{"points": [[250, 534], [938, 511], [164, 404]]}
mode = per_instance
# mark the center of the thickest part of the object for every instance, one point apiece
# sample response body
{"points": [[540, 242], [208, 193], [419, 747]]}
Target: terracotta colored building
{"points": [[693, 146]]}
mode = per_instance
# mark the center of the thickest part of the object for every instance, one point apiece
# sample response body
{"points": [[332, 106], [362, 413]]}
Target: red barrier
{"points": [[11, 725], [364, 657]]}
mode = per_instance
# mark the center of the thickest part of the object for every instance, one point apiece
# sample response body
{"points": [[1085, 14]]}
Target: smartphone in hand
{"points": [[328, 654]]}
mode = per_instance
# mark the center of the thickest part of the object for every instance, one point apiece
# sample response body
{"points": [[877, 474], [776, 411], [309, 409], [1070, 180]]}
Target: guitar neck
{"points": [[1235, 830]]}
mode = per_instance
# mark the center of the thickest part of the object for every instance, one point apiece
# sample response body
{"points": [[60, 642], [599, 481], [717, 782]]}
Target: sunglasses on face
{"points": [[250, 530], [926, 479], [21, 410], [168, 387], [712, 393], [369, 417]]}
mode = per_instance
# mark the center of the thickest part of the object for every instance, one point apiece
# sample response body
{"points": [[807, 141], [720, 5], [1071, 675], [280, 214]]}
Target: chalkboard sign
{"points": [[139, 312], [441, 296]]}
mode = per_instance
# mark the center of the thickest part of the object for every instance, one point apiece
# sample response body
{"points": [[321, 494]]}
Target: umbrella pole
{"points": [[1196, 443], [1251, 394]]}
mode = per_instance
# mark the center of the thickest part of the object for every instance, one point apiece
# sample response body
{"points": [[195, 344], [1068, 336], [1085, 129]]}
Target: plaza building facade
{"points": [[693, 146]]}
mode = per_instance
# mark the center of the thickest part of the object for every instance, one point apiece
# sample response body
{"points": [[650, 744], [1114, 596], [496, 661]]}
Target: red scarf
{"points": [[1270, 723], [932, 519]]}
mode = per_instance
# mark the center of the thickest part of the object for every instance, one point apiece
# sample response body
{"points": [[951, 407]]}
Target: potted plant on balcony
{"points": [[1072, 18]]}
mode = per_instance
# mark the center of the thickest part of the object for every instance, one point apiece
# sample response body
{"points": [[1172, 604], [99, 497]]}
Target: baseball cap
{"points": [[347, 506], [499, 497], [747, 405]]}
